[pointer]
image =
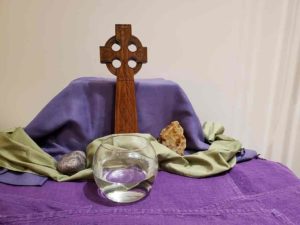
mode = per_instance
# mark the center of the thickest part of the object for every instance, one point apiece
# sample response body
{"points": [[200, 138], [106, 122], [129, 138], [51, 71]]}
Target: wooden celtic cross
{"points": [[125, 103]]}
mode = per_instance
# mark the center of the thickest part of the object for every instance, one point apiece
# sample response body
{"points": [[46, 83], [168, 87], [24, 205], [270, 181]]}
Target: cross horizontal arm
{"points": [[107, 55], [140, 55]]}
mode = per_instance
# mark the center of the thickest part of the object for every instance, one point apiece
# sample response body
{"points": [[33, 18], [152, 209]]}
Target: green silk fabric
{"points": [[18, 152]]}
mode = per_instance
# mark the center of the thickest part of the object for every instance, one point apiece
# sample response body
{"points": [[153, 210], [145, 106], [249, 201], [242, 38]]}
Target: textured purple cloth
{"points": [[253, 192]]}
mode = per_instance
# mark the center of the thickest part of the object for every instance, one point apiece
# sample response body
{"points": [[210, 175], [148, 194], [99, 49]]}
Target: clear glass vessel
{"points": [[125, 167]]}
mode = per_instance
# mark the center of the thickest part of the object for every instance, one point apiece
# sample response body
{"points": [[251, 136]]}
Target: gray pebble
{"points": [[72, 162]]}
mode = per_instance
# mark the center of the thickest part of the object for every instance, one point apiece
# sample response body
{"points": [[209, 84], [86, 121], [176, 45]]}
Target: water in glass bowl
{"points": [[125, 180]]}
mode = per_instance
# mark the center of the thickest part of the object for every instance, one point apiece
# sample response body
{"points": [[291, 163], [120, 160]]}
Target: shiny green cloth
{"points": [[18, 152]]}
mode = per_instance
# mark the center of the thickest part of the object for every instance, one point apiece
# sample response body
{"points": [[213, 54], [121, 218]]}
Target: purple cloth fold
{"points": [[23, 179], [245, 155]]}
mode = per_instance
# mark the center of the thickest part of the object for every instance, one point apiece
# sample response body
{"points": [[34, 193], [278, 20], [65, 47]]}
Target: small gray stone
{"points": [[72, 162]]}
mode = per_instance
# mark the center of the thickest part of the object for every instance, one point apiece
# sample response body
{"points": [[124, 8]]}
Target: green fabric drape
{"points": [[18, 152]]}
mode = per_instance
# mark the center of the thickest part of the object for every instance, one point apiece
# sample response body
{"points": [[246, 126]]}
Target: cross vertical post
{"points": [[126, 120]]}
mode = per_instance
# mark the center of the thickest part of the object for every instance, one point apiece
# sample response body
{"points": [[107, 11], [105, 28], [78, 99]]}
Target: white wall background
{"points": [[238, 60]]}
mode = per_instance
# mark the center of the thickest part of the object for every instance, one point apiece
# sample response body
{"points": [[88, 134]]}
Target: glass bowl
{"points": [[124, 167]]}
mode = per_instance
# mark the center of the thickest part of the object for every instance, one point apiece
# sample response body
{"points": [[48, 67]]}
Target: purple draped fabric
{"points": [[84, 111], [253, 192]]}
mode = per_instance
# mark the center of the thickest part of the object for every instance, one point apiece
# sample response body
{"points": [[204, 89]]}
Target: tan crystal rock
{"points": [[172, 136]]}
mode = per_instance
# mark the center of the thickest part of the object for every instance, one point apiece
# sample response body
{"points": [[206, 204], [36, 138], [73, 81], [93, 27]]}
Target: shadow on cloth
{"points": [[93, 194]]}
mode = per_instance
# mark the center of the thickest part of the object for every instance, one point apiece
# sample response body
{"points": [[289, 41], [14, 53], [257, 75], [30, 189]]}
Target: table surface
{"points": [[254, 192]]}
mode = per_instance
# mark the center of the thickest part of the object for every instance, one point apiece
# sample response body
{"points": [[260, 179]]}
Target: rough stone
{"points": [[172, 136], [72, 162]]}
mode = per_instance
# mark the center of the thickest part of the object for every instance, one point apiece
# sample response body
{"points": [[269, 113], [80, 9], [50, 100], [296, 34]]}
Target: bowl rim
{"points": [[120, 149]]}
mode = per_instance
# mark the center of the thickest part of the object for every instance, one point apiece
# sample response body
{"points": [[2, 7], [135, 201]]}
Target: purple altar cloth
{"points": [[253, 192]]}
